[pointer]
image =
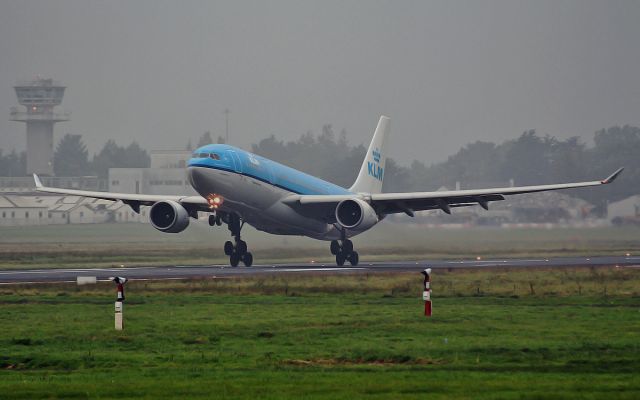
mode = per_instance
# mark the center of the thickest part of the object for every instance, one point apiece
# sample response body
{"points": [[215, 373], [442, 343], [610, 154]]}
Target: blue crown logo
{"points": [[376, 155]]}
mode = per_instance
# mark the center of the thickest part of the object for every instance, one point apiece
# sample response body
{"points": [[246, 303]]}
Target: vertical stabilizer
{"points": [[372, 171]]}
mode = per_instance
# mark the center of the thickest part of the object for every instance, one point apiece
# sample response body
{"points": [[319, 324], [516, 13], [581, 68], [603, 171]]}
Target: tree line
{"points": [[71, 158], [528, 159]]}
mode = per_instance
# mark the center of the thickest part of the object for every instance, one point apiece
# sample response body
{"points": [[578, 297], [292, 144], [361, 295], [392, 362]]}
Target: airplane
{"points": [[237, 187]]}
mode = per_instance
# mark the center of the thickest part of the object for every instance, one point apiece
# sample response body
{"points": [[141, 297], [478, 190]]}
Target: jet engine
{"points": [[356, 214], [169, 216]]}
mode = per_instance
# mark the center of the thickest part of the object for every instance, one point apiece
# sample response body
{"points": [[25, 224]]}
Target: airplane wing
{"points": [[191, 203], [408, 203]]}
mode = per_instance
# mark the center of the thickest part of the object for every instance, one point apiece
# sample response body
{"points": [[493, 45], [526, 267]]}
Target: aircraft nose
{"points": [[196, 177]]}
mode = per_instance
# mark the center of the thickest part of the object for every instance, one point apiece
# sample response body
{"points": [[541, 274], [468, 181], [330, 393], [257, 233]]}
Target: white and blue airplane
{"points": [[238, 187]]}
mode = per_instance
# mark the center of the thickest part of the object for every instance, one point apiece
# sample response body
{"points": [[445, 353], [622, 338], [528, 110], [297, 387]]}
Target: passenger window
{"points": [[214, 156], [202, 155]]}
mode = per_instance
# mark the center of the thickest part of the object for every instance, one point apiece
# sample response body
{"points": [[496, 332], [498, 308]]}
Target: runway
{"points": [[8, 277]]}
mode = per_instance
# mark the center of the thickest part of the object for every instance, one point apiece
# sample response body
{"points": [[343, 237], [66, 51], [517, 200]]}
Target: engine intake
{"points": [[169, 216], [355, 214]]}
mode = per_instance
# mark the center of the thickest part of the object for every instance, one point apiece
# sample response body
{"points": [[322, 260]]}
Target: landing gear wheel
{"points": [[347, 246], [228, 248], [247, 259], [335, 247], [218, 220], [237, 252], [354, 258], [212, 220], [234, 259], [241, 247], [340, 259]]}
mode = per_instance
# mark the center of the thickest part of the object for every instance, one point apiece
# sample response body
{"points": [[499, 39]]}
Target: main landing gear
{"points": [[236, 251], [343, 251]]}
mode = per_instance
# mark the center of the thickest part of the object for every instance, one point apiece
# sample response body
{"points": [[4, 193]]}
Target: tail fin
{"points": [[372, 171]]}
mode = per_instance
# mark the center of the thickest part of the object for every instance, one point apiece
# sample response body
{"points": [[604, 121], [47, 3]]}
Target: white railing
{"points": [[17, 115]]}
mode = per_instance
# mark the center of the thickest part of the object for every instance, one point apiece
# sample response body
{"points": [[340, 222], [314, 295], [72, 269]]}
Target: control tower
{"points": [[39, 96]]}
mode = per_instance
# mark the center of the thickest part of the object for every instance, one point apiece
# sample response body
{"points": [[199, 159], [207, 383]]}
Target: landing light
{"points": [[214, 200]]}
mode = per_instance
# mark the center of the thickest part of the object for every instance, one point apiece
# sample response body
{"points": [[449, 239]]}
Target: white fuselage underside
{"points": [[259, 204]]}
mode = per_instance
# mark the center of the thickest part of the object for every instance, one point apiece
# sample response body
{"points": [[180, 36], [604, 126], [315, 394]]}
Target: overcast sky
{"points": [[446, 72]]}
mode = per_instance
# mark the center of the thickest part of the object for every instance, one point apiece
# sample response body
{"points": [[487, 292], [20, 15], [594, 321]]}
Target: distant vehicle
{"points": [[238, 187]]}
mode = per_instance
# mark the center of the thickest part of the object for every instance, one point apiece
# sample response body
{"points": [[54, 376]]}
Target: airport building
{"points": [[21, 205], [18, 210], [39, 97], [22, 211], [166, 175]]}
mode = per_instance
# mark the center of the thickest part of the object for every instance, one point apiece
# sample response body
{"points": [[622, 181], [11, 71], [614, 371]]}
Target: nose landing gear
{"points": [[343, 251], [237, 251]]}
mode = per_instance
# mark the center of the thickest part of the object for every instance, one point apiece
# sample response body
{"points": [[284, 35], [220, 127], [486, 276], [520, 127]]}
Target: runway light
{"points": [[478, 258], [628, 254]]}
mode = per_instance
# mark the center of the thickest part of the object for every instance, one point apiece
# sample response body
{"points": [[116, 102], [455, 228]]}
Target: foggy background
{"points": [[447, 73]]}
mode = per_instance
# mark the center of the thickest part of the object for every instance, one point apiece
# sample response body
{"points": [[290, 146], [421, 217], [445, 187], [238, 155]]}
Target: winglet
{"points": [[613, 176], [37, 180]]}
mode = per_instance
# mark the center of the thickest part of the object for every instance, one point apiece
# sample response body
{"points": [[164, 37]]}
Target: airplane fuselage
{"points": [[254, 187]]}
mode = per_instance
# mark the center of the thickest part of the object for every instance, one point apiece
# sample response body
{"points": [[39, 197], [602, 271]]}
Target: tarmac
{"points": [[178, 272]]}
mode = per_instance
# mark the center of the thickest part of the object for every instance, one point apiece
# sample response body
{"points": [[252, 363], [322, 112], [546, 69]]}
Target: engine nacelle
{"points": [[356, 214], [169, 216]]}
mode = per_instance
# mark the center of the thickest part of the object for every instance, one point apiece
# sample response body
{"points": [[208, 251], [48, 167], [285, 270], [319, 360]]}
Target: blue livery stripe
{"points": [[234, 160]]}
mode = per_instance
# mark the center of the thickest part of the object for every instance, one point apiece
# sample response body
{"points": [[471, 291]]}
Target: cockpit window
{"points": [[213, 156]]}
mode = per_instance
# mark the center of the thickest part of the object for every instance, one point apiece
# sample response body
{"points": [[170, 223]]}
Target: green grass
{"points": [[100, 245], [517, 334]]}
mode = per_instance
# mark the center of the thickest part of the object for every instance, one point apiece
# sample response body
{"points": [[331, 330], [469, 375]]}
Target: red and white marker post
{"points": [[426, 294], [119, 317]]}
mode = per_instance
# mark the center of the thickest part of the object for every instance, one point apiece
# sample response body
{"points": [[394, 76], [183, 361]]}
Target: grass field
{"points": [[508, 334], [99, 245]]}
